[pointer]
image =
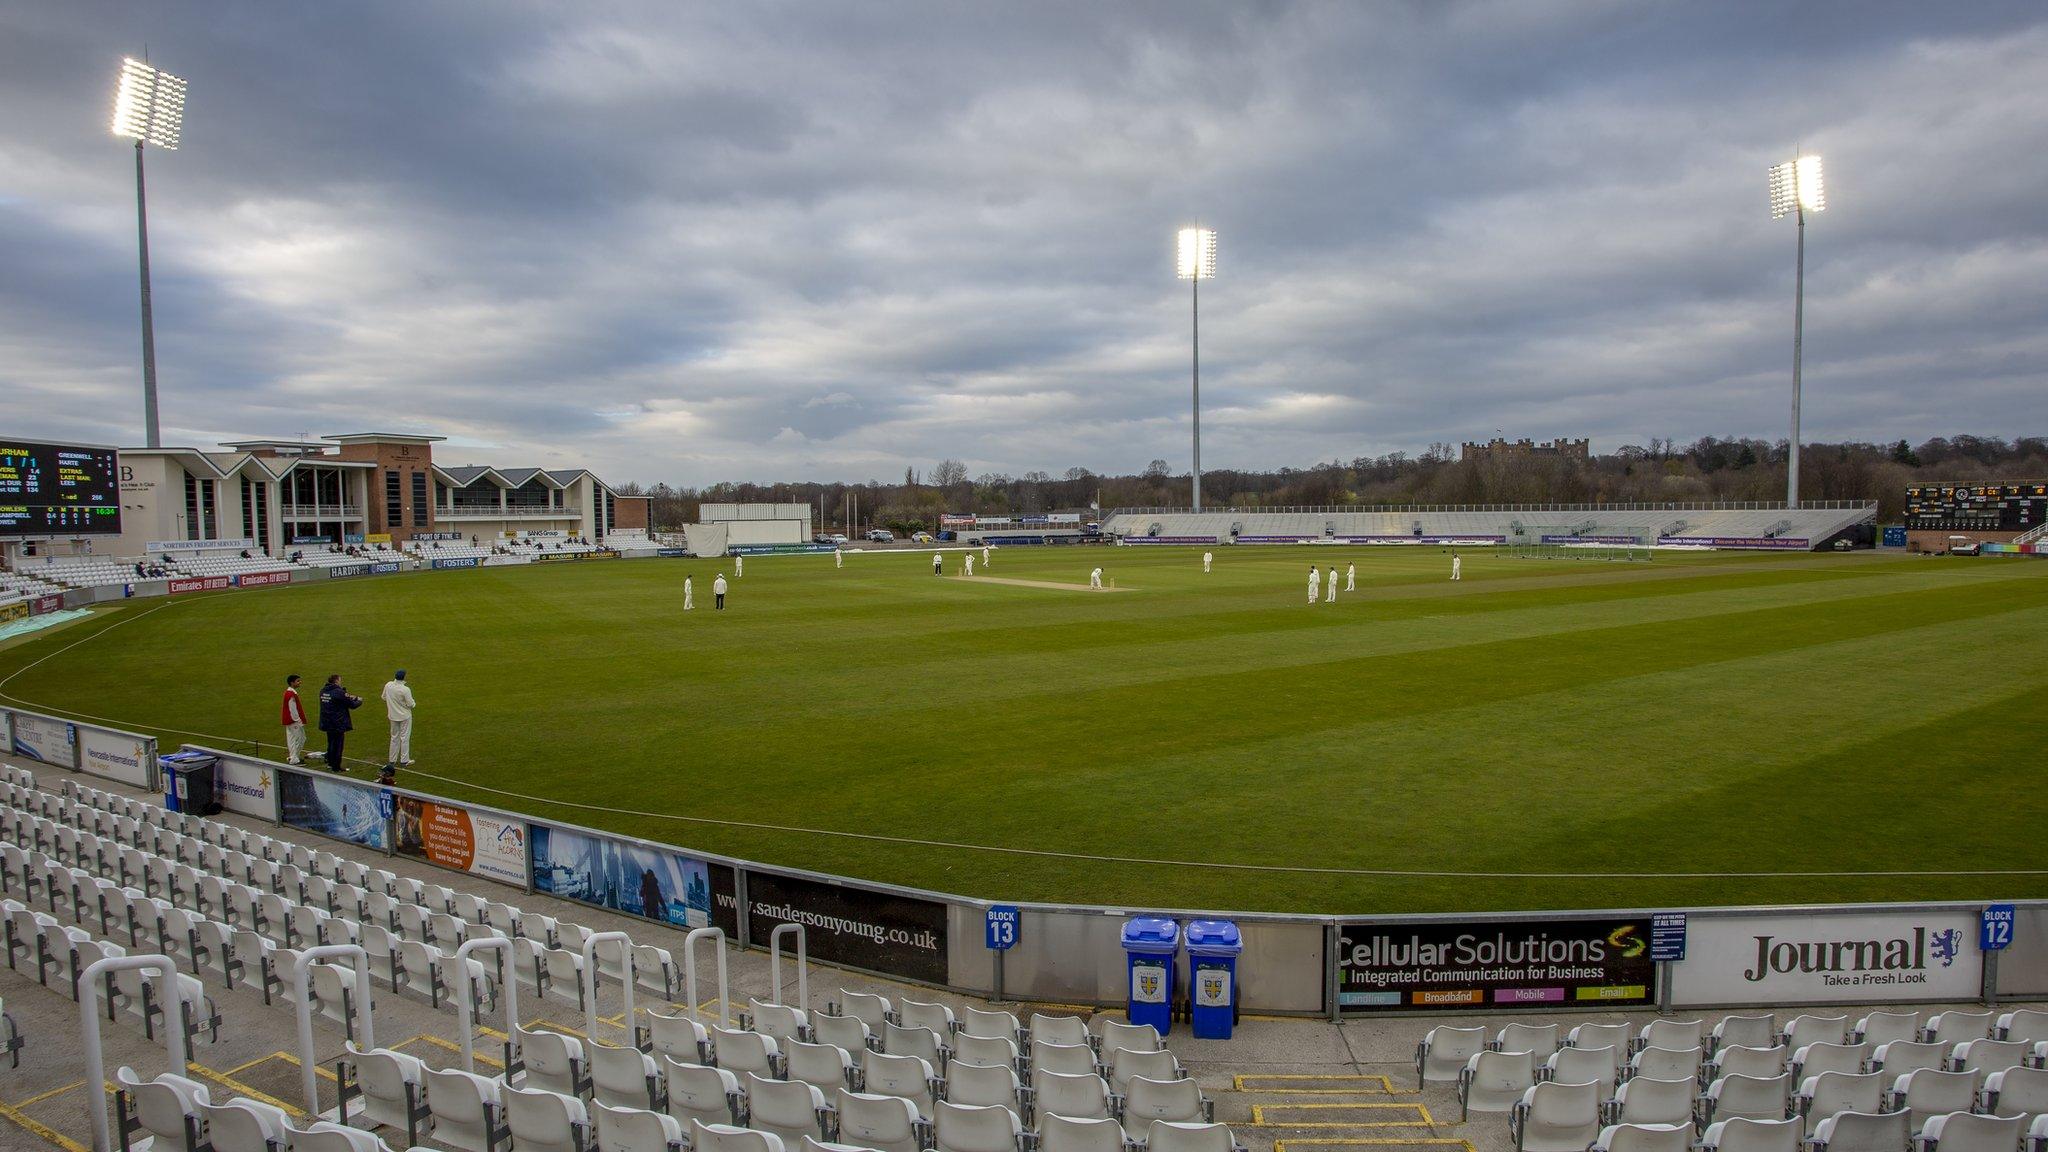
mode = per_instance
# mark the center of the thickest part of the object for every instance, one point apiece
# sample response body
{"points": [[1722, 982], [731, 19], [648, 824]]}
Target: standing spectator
{"points": [[294, 717], [335, 706], [398, 704], [718, 593]]}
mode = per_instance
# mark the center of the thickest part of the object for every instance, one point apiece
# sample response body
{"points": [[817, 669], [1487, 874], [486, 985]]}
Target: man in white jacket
{"points": [[687, 605], [1315, 584], [398, 704]]}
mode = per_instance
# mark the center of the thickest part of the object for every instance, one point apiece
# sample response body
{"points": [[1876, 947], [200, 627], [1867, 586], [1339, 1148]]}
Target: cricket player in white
{"points": [[1207, 557], [938, 562], [398, 704], [838, 558], [984, 555], [686, 595], [739, 567], [970, 563], [1315, 583], [1333, 586], [1095, 578], [1351, 577], [1456, 563]]}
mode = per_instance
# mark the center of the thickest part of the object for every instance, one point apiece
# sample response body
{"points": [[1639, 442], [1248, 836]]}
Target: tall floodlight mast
{"points": [[149, 108], [1196, 263]]}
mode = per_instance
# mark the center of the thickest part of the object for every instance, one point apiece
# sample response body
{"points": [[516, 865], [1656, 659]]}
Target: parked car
{"points": [[881, 536], [921, 537], [836, 539]]}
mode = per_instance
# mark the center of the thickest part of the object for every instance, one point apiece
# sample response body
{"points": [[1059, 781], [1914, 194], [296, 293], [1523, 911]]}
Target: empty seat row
{"points": [[475, 1113]]}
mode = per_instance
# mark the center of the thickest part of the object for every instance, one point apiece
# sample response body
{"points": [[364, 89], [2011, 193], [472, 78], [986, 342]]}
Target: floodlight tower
{"points": [[1796, 190], [1196, 263], [148, 109]]}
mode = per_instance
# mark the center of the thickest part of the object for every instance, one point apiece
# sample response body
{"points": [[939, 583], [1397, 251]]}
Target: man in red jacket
{"points": [[294, 718]]}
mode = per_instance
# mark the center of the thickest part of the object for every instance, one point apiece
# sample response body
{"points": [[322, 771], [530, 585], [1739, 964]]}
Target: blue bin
{"points": [[1213, 948], [190, 782], [1149, 945]]}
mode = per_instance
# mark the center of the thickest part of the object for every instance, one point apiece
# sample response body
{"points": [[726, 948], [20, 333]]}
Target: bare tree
{"points": [[948, 472]]}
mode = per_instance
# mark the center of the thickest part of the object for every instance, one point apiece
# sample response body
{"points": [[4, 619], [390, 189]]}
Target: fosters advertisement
{"points": [[1809, 959], [1516, 962]]}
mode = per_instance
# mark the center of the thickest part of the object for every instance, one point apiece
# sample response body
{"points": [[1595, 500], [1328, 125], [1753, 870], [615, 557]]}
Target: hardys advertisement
{"points": [[1500, 963], [462, 839], [636, 879], [878, 931], [1860, 959]]}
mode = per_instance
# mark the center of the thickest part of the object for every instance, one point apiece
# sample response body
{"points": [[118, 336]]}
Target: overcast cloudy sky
{"points": [[693, 242]]}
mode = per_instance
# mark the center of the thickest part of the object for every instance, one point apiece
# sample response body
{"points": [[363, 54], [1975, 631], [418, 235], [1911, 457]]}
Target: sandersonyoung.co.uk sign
{"points": [[1807, 959]]}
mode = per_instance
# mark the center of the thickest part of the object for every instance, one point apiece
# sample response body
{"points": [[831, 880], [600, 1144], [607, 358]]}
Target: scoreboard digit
{"points": [[58, 489]]}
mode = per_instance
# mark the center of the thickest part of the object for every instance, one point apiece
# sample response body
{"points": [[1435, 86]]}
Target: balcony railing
{"points": [[493, 513], [319, 512]]}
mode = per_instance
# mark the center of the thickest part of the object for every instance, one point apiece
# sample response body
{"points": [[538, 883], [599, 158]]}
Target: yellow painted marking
{"points": [[241, 1068], [1259, 1119], [1243, 1083], [1374, 1141], [232, 1085], [8, 1112], [452, 1046], [47, 1095], [493, 1033], [318, 1070]]}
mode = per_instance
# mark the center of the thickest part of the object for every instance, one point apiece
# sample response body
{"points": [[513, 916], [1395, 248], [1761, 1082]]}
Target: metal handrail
{"points": [[302, 979], [165, 973]]}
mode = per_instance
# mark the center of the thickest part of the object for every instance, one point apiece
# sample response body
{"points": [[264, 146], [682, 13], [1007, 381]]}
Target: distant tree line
{"points": [[1709, 468]]}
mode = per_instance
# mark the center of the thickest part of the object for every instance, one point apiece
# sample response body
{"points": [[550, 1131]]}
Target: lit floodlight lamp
{"points": [[1796, 189], [1195, 262], [150, 105], [149, 108], [1797, 185], [1197, 257]]}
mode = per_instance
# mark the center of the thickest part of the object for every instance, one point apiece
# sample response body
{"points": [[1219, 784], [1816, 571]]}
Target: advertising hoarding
{"points": [[47, 740], [117, 756], [878, 931], [1502, 963], [480, 843], [200, 584], [635, 879], [1866, 958], [331, 807]]}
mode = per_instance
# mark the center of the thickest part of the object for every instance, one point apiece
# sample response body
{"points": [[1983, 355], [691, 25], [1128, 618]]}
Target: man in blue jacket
{"points": [[335, 706]]}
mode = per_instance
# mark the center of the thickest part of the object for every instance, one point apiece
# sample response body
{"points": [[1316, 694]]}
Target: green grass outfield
{"points": [[1702, 713]]}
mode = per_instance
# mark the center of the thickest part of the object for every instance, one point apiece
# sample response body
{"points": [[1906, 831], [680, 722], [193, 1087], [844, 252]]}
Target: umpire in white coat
{"points": [[398, 704]]}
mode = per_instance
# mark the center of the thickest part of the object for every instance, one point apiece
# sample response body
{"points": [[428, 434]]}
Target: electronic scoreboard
{"points": [[1977, 507], [58, 489]]}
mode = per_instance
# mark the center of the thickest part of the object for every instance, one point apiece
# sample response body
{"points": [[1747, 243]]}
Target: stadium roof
{"points": [[383, 438]]}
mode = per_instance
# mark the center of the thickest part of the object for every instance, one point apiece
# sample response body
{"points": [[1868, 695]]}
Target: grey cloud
{"points": [[711, 242]]}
